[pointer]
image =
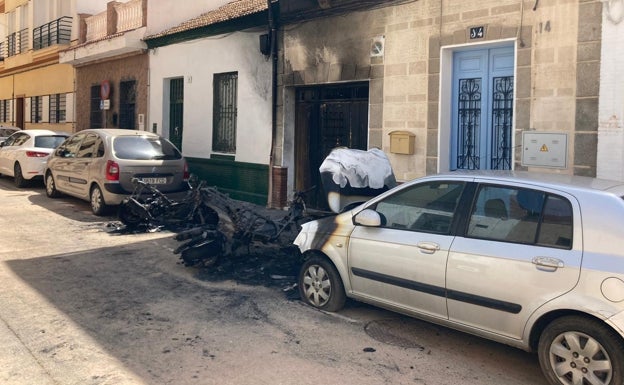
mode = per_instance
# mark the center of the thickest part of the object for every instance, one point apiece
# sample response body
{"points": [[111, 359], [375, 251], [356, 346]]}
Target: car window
{"points": [[520, 215], [87, 146], [49, 141], [6, 132], [99, 147], [144, 148], [428, 207], [70, 147], [16, 139]]}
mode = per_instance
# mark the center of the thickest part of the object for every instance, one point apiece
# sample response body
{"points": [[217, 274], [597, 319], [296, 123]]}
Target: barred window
{"points": [[4, 111], [36, 109], [225, 111], [127, 104], [58, 104], [95, 117]]}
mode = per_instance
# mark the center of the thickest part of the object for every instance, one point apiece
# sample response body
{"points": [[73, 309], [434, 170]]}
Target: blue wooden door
{"points": [[483, 85]]}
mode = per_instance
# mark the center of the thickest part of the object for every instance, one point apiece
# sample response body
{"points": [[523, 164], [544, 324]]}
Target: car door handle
{"points": [[553, 263], [428, 247]]}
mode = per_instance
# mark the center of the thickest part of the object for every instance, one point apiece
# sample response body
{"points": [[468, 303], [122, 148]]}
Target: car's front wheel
{"points": [[18, 176], [50, 186], [320, 284], [579, 350], [98, 205]]}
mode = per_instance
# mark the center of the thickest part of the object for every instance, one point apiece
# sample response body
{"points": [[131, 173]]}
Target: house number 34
{"points": [[477, 32]]}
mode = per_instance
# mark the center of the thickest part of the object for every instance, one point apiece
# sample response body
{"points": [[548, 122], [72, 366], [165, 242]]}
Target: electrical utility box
{"points": [[544, 149]]}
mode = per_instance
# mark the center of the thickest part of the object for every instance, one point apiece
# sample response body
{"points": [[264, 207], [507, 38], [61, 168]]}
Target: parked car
{"points": [[97, 165], [530, 260], [6, 131], [23, 155]]}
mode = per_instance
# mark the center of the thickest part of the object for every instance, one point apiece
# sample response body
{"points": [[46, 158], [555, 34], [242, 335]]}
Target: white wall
{"points": [[610, 162], [197, 61], [92, 7], [164, 14]]}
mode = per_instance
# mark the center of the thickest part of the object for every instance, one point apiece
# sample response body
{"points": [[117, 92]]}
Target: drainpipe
{"points": [[273, 40]]}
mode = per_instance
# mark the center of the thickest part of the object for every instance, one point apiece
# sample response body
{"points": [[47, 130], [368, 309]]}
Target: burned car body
{"points": [[534, 261]]}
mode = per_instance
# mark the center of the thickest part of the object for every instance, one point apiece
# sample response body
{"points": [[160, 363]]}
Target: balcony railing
{"points": [[17, 42], [96, 26], [54, 32], [129, 15], [3, 53]]}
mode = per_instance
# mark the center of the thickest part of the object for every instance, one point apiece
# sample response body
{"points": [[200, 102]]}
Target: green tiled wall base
{"points": [[243, 181]]}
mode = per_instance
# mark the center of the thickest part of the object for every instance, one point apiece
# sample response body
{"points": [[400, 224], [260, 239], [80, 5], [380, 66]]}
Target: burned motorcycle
{"points": [[150, 208], [240, 227]]}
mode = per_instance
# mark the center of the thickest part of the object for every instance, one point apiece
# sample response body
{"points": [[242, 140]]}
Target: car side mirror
{"points": [[368, 217]]}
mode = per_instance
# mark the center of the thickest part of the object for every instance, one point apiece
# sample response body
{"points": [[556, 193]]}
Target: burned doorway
{"points": [[327, 117]]}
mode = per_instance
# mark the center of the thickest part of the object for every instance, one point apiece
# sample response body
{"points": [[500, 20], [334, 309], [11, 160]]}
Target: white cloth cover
{"points": [[360, 168]]}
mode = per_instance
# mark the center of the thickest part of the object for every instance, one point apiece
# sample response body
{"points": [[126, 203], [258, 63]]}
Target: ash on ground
{"points": [[271, 267]]}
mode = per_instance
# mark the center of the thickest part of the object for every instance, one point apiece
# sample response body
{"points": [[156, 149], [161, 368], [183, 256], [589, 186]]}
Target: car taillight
{"points": [[112, 170], [187, 174], [36, 154]]}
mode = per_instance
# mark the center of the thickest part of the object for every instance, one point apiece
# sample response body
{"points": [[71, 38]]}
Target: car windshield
{"points": [[144, 148], [49, 141]]}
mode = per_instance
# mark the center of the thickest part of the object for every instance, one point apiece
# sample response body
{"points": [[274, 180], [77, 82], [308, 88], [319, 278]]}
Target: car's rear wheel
{"points": [[50, 186], [18, 177], [320, 284], [98, 205], [579, 350]]}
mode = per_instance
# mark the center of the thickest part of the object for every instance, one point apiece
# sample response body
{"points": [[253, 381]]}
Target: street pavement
{"points": [[81, 304]]}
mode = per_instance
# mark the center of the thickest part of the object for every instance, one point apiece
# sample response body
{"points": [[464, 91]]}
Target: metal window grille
{"points": [[4, 110], [17, 42], [95, 116], [502, 117], [55, 32], [469, 124], [127, 103], [36, 109], [225, 112], [58, 103]]}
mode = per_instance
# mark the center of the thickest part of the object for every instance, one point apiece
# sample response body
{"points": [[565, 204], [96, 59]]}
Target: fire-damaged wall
{"points": [[416, 56]]}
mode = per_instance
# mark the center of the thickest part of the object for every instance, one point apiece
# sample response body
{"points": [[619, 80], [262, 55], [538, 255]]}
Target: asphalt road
{"points": [[80, 304]]}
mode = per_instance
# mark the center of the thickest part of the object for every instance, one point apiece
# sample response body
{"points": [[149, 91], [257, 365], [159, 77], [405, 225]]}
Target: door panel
{"points": [[327, 117], [403, 262], [176, 111], [516, 256], [481, 136]]}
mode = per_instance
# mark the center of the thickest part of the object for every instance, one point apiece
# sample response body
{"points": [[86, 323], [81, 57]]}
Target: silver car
{"points": [[531, 260], [97, 165]]}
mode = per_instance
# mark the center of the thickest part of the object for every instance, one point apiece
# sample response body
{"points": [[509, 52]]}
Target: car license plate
{"points": [[155, 180]]}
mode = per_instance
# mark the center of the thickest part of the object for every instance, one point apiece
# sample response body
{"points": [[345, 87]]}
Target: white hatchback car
{"points": [[23, 155], [531, 260]]}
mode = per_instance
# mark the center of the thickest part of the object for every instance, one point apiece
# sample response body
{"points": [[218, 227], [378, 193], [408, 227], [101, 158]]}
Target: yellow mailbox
{"points": [[402, 142]]}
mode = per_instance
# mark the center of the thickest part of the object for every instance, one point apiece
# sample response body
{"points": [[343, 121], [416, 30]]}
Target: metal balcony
{"points": [[54, 32]]}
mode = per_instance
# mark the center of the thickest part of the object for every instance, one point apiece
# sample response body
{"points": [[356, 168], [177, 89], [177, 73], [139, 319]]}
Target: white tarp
{"points": [[360, 168]]}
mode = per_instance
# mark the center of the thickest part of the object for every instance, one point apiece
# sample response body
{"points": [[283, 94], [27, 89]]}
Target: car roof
{"points": [[44, 132], [119, 132], [552, 180]]}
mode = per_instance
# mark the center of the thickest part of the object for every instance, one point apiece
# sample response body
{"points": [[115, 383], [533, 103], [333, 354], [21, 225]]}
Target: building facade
{"points": [[111, 65], [36, 90], [485, 84], [210, 88]]}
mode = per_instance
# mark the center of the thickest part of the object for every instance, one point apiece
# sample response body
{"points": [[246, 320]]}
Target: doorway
{"points": [[482, 109], [176, 111], [327, 117]]}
